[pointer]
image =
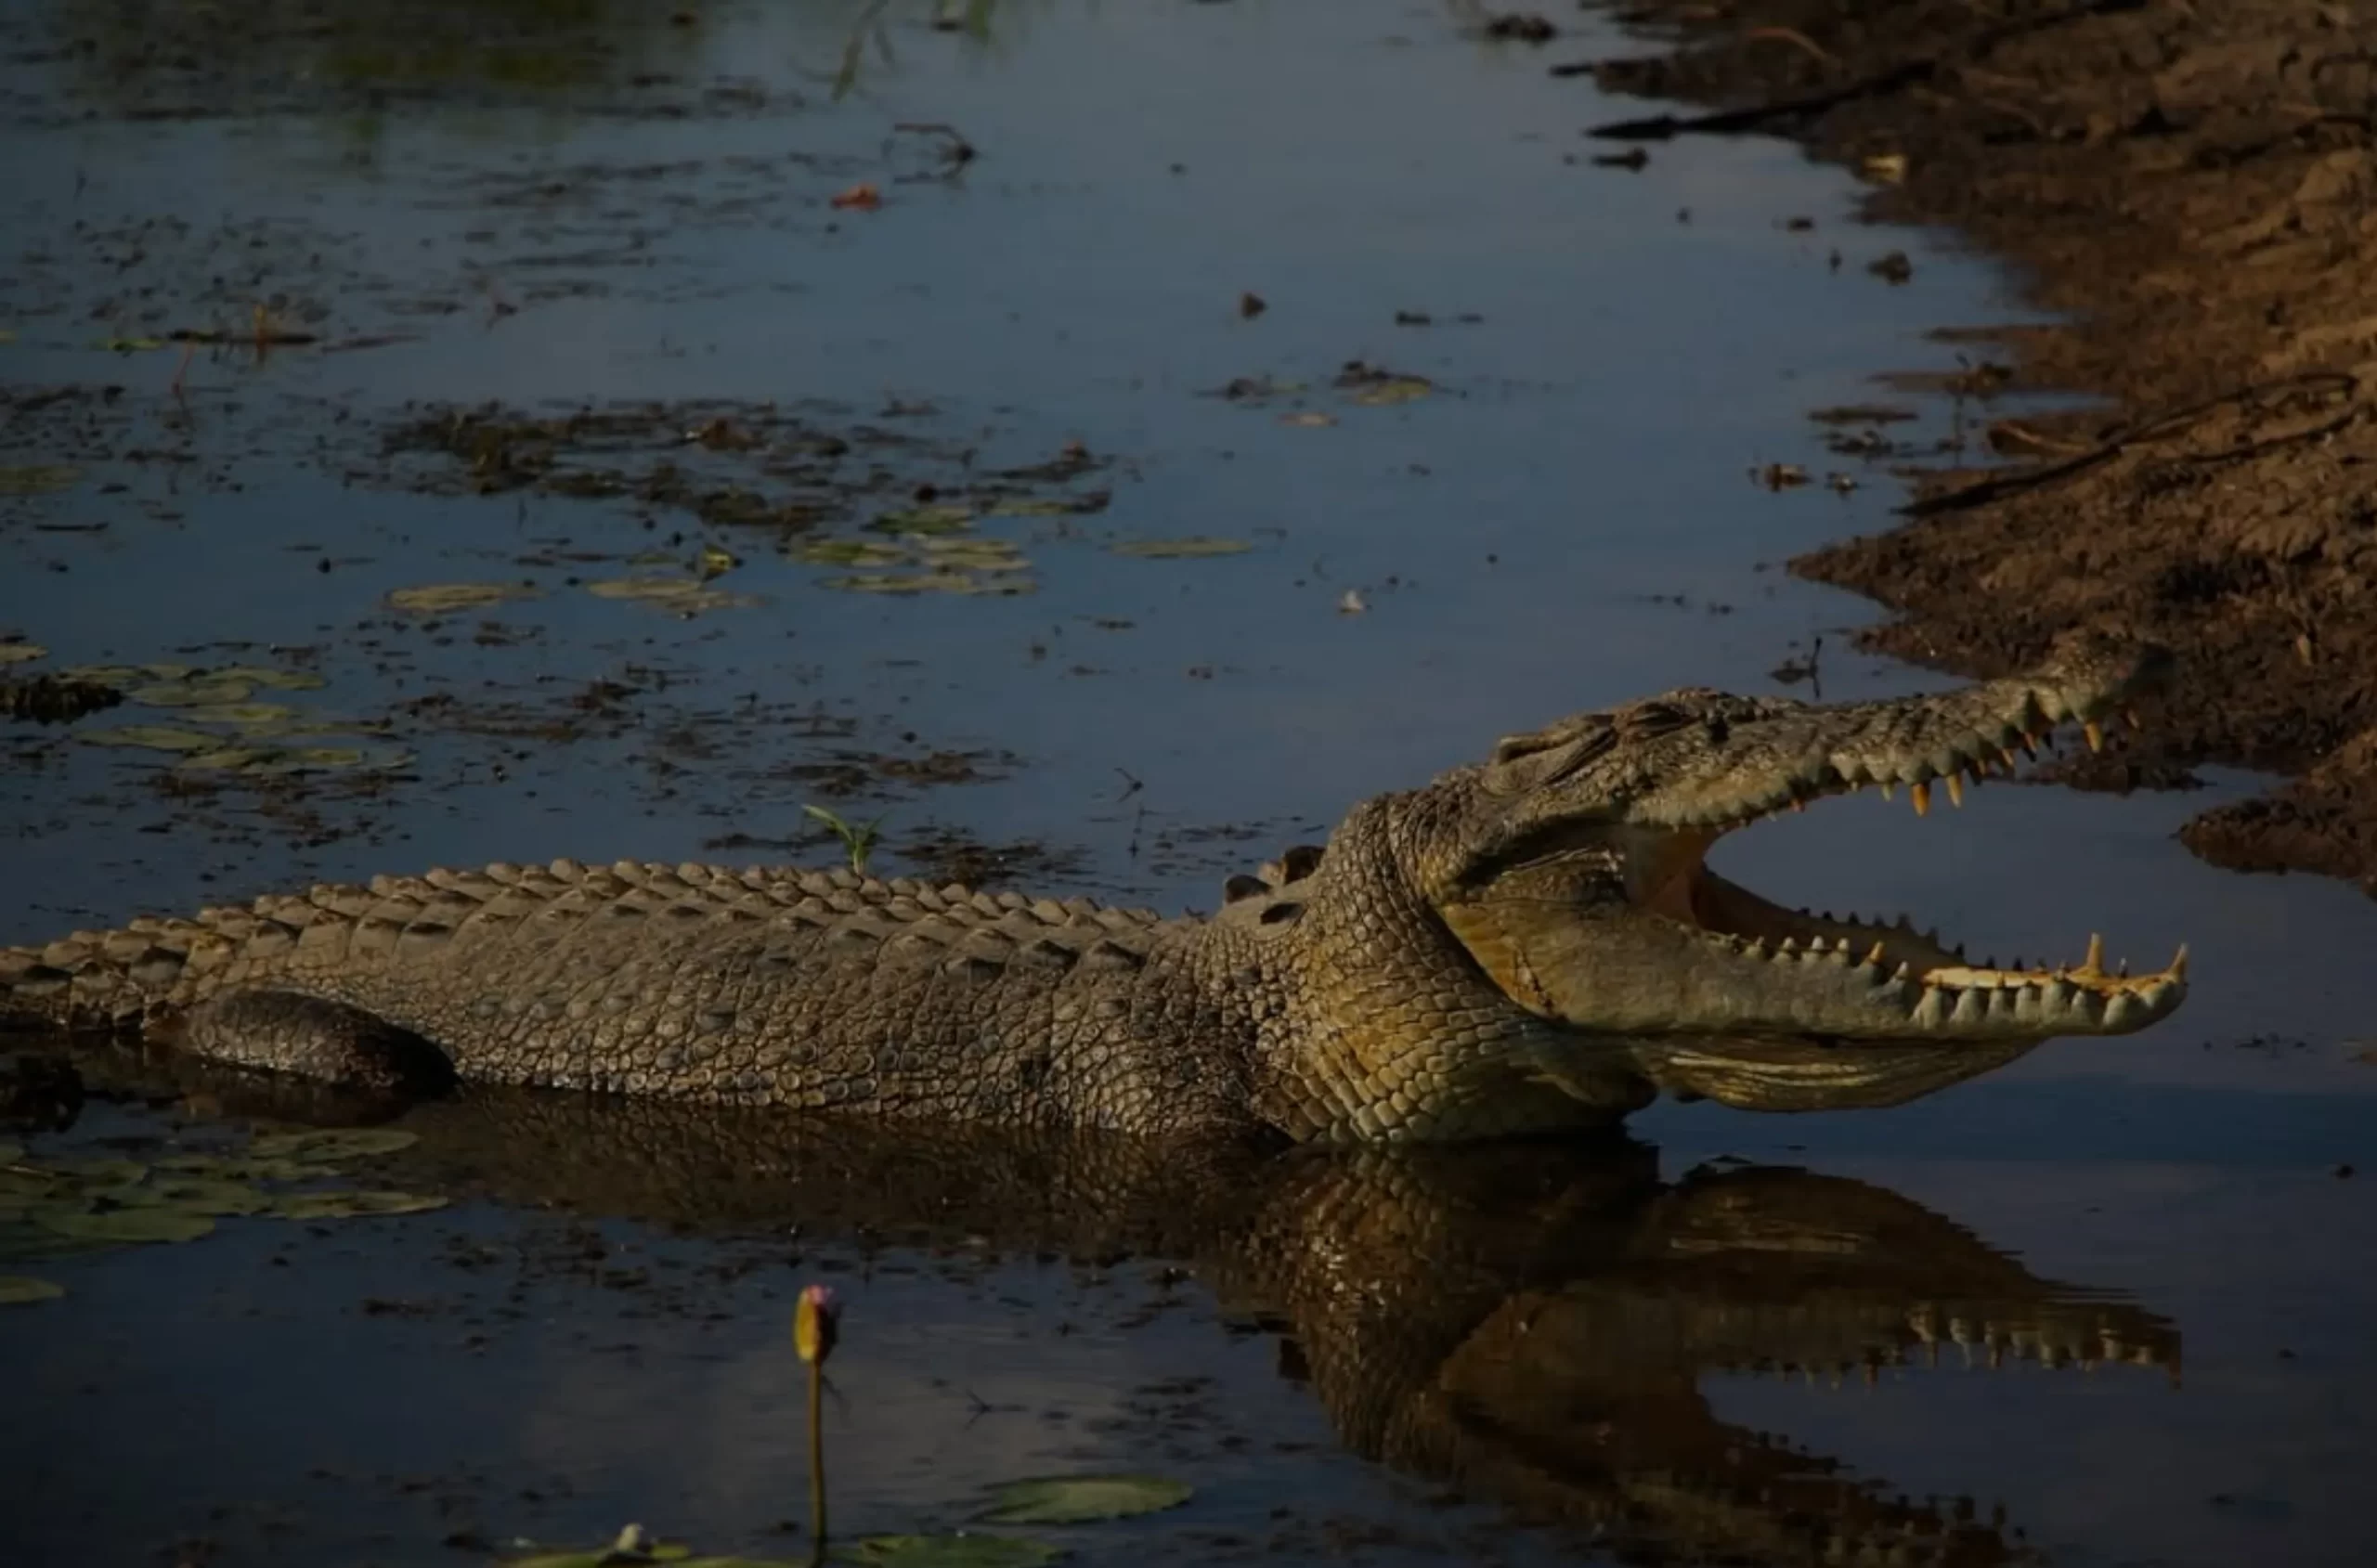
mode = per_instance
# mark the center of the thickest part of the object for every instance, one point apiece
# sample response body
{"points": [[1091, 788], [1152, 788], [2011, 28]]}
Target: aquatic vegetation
{"points": [[73, 1205], [858, 839]]}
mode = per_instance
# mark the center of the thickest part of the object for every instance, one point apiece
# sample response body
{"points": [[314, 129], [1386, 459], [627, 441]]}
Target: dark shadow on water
{"points": [[1530, 1323]]}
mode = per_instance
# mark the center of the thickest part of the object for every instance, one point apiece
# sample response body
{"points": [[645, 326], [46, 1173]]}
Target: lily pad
{"points": [[324, 1145], [1395, 389], [246, 715], [152, 737], [679, 596], [274, 680], [198, 1194], [195, 691], [38, 479], [226, 758], [1189, 548], [314, 759], [926, 582], [1078, 1499], [1056, 506], [959, 1550], [352, 1205], [22, 652], [16, 1289], [30, 1243], [98, 1172], [848, 552], [26, 1187], [973, 555], [945, 518], [447, 599], [241, 1167], [121, 1225]]}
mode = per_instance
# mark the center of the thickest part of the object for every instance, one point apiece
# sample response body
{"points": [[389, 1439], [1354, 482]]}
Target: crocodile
{"points": [[1529, 944]]}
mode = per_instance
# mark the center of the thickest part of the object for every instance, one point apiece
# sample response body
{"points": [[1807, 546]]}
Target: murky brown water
{"points": [[614, 209]]}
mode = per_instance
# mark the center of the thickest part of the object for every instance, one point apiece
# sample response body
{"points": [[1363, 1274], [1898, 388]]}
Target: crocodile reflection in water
{"points": [[1529, 1322]]}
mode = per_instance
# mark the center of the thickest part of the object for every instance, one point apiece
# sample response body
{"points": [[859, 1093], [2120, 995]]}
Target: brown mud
{"points": [[2193, 189]]}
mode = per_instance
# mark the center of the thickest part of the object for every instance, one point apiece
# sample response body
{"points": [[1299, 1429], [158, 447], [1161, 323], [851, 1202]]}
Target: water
{"points": [[621, 209]]}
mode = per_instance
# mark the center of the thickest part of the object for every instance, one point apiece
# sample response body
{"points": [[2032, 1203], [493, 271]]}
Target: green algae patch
{"points": [[18, 1289], [22, 652], [1082, 1499]]}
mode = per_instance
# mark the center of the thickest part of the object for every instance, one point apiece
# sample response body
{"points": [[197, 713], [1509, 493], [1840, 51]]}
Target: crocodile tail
{"points": [[102, 979]]}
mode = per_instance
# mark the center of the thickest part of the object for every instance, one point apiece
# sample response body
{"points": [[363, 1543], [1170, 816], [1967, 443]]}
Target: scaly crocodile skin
{"points": [[1525, 945]]}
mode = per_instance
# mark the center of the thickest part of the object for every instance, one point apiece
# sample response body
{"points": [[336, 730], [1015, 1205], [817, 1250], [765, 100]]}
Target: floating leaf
{"points": [[926, 582], [97, 1173], [1186, 549], [958, 1551], [946, 518], [680, 596], [324, 1145], [122, 1225], [29, 1243], [1078, 1499], [713, 561], [131, 345], [19, 653], [241, 1168], [37, 479], [226, 758], [26, 1185], [247, 716], [973, 555], [1061, 506], [1311, 419], [848, 553], [1395, 389], [301, 756], [352, 1205], [16, 1289], [152, 737], [198, 1194], [275, 679], [447, 599], [203, 693]]}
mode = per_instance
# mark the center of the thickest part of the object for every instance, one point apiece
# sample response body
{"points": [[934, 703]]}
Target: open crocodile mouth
{"points": [[1936, 990], [1722, 985]]}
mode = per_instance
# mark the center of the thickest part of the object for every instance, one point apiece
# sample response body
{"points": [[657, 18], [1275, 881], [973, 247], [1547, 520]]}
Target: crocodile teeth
{"points": [[1921, 795], [1956, 790], [2096, 735]]}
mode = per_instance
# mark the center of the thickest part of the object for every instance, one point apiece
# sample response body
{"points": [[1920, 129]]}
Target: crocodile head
{"points": [[1573, 867]]}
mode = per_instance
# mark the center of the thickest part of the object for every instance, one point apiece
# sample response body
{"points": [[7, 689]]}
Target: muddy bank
{"points": [[2195, 187]]}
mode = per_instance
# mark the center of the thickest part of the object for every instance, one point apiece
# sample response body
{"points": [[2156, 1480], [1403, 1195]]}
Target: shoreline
{"points": [[2189, 190]]}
